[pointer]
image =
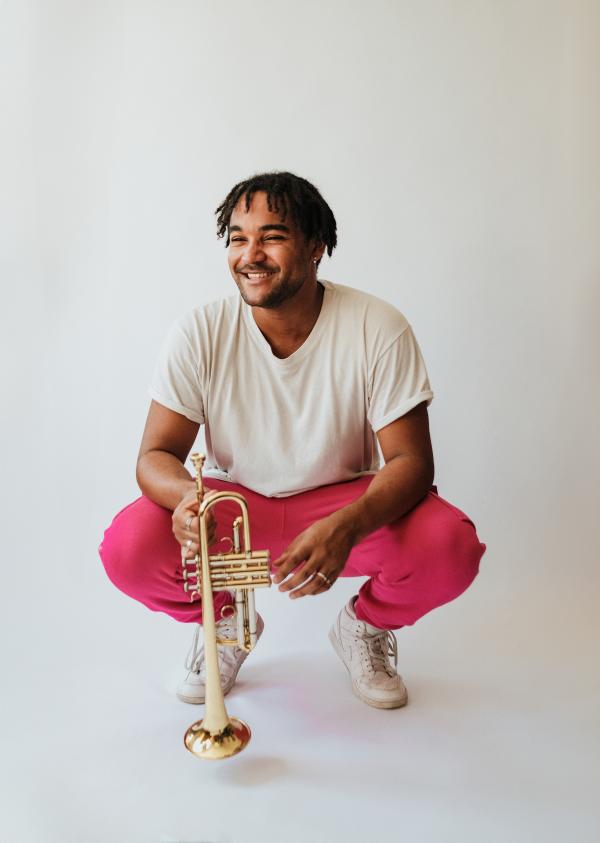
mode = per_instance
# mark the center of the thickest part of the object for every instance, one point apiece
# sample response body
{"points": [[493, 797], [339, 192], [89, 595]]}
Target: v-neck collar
{"points": [[309, 342]]}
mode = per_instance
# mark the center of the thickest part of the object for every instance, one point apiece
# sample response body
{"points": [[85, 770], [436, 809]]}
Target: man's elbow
{"points": [[424, 471], [141, 466], [429, 472]]}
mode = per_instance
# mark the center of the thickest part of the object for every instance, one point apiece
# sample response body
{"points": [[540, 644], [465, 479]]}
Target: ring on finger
{"points": [[323, 577], [188, 522], [189, 543]]}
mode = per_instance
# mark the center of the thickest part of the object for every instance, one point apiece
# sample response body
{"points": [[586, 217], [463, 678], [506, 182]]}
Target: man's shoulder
{"points": [[373, 312], [210, 315]]}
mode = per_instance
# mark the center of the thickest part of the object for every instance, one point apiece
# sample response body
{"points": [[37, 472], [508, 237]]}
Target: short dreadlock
{"points": [[286, 192]]}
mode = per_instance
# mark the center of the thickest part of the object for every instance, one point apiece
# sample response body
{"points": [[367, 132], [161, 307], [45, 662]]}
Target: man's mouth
{"points": [[256, 276]]}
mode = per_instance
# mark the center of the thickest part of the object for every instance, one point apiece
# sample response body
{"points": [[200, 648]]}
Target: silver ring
{"points": [[188, 522], [189, 543], [323, 577]]}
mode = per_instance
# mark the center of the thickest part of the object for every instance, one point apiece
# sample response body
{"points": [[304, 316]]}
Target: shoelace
{"points": [[379, 649], [195, 657]]}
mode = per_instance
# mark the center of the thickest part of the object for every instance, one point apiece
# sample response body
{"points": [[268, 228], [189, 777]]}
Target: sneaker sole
{"points": [[356, 691]]}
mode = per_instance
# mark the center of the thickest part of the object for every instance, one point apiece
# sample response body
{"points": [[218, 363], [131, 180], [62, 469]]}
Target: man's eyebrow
{"points": [[270, 227]]}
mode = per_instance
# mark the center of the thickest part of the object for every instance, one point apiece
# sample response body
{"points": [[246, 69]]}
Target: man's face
{"points": [[269, 260]]}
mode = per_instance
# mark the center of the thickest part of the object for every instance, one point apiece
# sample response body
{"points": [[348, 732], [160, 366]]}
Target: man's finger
{"points": [[279, 568], [286, 563], [191, 549], [286, 569], [280, 559], [300, 575], [190, 523], [314, 586]]}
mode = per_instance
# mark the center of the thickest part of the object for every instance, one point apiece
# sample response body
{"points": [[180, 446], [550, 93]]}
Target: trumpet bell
{"points": [[215, 746]]}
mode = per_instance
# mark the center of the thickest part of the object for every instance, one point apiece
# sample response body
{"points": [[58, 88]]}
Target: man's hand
{"points": [[185, 523], [321, 551], [317, 557]]}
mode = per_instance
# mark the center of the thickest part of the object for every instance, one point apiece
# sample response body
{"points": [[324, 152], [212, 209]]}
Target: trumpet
{"points": [[217, 735]]}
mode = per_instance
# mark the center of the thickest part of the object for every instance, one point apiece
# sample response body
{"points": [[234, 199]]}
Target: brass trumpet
{"points": [[217, 735]]}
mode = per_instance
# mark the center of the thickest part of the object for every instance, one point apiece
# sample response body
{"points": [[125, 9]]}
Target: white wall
{"points": [[458, 145]]}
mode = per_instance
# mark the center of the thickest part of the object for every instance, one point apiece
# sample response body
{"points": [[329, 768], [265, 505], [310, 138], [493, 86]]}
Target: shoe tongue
{"points": [[369, 628], [373, 630]]}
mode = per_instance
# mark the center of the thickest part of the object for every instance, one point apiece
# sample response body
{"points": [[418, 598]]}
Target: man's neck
{"points": [[287, 326]]}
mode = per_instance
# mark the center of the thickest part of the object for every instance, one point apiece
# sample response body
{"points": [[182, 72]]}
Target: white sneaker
{"points": [[231, 658], [365, 650]]}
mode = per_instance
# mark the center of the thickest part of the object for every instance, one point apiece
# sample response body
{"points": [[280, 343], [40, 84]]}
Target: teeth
{"points": [[255, 275]]}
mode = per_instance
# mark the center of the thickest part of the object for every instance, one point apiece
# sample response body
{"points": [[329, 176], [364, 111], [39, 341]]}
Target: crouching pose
{"points": [[297, 380]]}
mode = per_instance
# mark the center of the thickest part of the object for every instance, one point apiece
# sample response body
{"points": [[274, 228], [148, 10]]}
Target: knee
{"points": [[132, 541], [455, 555]]}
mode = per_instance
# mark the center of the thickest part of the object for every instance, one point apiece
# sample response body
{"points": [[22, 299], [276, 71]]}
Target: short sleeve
{"points": [[398, 381], [175, 382]]}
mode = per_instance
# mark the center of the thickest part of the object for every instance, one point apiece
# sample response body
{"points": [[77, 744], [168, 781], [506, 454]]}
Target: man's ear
{"points": [[318, 251]]}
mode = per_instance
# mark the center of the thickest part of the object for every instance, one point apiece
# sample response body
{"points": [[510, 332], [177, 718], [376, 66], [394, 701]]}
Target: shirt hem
{"points": [[402, 409], [177, 408]]}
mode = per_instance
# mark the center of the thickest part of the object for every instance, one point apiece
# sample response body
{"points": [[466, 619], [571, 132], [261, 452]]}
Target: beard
{"points": [[275, 296]]}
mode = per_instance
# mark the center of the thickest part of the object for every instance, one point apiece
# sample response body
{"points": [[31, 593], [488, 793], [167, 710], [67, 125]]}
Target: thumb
{"points": [[292, 556]]}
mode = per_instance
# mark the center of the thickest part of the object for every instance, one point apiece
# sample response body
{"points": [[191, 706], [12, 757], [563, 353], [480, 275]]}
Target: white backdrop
{"points": [[458, 144]]}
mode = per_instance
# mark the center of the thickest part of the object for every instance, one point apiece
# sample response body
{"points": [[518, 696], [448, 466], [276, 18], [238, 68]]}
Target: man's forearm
{"points": [[163, 478], [394, 490]]}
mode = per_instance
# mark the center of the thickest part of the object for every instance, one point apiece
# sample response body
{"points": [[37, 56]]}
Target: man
{"points": [[296, 381]]}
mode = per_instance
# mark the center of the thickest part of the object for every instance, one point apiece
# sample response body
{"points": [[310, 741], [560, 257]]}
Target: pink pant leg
{"points": [[426, 558], [143, 559]]}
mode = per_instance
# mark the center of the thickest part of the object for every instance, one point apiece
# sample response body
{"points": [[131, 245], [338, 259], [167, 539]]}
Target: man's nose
{"points": [[253, 252]]}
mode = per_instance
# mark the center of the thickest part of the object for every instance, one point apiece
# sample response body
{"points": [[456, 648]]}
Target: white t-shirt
{"points": [[282, 426]]}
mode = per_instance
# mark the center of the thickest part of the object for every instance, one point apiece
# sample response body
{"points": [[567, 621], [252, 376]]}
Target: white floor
{"points": [[499, 741]]}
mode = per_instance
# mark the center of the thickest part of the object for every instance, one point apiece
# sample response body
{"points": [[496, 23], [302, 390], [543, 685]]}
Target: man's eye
{"points": [[241, 239]]}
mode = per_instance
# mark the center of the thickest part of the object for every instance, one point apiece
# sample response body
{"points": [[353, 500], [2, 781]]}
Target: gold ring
{"points": [[323, 577], [188, 523]]}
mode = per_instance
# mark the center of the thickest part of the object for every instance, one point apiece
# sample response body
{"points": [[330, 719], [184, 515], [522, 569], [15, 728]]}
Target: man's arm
{"points": [[162, 476], [166, 443], [404, 479], [402, 482]]}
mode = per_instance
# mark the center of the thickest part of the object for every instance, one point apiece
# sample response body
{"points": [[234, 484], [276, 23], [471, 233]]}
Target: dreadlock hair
{"points": [[286, 193]]}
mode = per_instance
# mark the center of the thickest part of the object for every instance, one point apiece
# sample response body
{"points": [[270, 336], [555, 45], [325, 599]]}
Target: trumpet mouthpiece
{"points": [[198, 460]]}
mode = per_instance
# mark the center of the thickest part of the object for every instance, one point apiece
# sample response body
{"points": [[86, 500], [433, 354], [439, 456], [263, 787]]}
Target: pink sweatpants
{"points": [[424, 559]]}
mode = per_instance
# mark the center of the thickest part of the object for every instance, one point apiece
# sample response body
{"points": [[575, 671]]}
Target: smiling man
{"points": [[297, 380]]}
